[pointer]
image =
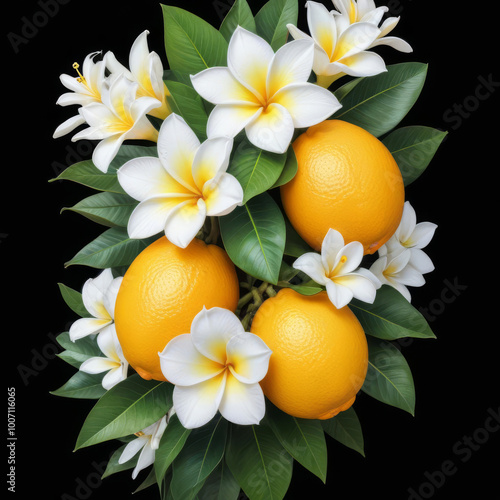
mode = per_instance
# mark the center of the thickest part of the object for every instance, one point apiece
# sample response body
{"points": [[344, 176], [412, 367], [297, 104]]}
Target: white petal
{"points": [[339, 295], [422, 235], [332, 244], [352, 253], [196, 405], [114, 376], [272, 130], [177, 145], [182, 364], [86, 326], [308, 104], [222, 196], [292, 63], [150, 216], [322, 27], [410, 276], [394, 42], [362, 64], [212, 329], [242, 404], [356, 38], [407, 223], [218, 86], [145, 177], [248, 357], [106, 150], [108, 344], [93, 292], [68, 126], [248, 59], [311, 264], [297, 34], [421, 261], [229, 120], [132, 448], [139, 53], [401, 289], [110, 296], [146, 458], [211, 160], [184, 222], [97, 365], [361, 287]]}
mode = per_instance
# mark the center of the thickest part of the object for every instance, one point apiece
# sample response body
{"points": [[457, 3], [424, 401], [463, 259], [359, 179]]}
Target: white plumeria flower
{"points": [[355, 11], [180, 188], [146, 69], [85, 88], [147, 442], [337, 268], [339, 52], [99, 297], [217, 367], [266, 94], [394, 270], [414, 237], [120, 116], [114, 361]]}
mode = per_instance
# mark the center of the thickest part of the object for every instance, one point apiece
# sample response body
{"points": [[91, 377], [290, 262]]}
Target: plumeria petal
{"points": [[292, 63], [150, 216], [177, 145], [114, 376], [332, 244], [322, 27], [248, 59], [307, 104], [407, 223], [132, 448], [422, 235], [351, 256], [68, 126], [248, 357], [229, 120], [185, 221], [394, 42], [145, 177], [339, 295], [211, 331], [146, 458], [182, 364], [311, 264], [97, 364], [211, 160], [110, 296], [421, 261], [242, 404], [361, 64], [218, 86], [86, 326], [222, 196], [197, 404], [93, 292], [362, 288], [272, 130]]}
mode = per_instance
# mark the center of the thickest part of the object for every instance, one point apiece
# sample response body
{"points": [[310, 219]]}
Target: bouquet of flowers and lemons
{"points": [[258, 251]]}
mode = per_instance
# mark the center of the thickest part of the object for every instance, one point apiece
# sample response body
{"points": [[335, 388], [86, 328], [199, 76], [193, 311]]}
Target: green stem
{"points": [[213, 235]]}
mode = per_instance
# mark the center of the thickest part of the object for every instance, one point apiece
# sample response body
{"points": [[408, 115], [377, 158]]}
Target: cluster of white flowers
{"points": [[114, 101]]}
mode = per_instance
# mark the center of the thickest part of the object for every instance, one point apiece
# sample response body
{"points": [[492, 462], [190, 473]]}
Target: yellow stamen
{"points": [[139, 434], [82, 78]]}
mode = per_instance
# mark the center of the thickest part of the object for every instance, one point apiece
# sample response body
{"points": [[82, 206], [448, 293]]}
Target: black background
{"points": [[455, 376]]}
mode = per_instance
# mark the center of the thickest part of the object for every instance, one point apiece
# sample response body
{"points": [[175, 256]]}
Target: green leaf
{"points": [[82, 386], [171, 444], [272, 18], [304, 439], [87, 174], [413, 148], [126, 408], [378, 103], [346, 429], [254, 237], [113, 248], [108, 209], [73, 300], [289, 170], [79, 351], [258, 461], [255, 169], [240, 14], [389, 378], [191, 44], [391, 316], [186, 102], [113, 466], [220, 485], [200, 455]]}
